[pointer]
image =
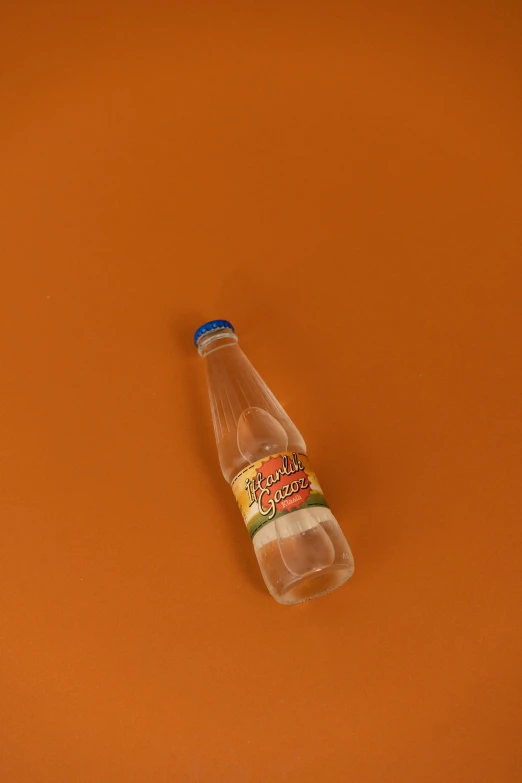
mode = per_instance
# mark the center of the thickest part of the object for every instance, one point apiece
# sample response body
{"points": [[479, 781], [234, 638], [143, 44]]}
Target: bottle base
{"points": [[313, 585], [303, 555]]}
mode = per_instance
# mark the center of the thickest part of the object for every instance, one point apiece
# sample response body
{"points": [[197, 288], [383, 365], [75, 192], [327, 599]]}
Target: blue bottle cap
{"points": [[211, 326]]}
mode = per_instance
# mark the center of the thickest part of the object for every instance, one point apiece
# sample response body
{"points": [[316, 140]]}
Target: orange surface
{"points": [[346, 179]]}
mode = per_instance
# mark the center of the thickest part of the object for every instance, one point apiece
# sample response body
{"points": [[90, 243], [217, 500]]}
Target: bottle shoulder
{"points": [[249, 421]]}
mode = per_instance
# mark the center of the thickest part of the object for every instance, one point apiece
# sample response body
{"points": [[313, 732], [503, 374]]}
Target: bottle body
{"points": [[301, 550]]}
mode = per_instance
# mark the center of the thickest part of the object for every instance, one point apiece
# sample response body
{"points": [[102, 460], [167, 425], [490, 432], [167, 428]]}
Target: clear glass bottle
{"points": [[300, 548]]}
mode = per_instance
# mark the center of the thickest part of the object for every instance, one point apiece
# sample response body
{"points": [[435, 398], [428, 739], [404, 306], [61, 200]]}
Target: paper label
{"points": [[274, 486]]}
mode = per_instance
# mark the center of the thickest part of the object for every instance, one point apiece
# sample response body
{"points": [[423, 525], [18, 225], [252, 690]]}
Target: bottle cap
{"points": [[211, 326]]}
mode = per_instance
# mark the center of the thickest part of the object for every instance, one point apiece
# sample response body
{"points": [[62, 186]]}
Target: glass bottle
{"points": [[300, 548]]}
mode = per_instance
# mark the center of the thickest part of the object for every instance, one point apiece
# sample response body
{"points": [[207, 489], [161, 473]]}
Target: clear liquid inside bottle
{"points": [[302, 554]]}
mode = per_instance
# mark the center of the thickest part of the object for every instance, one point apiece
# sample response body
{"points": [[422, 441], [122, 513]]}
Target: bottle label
{"points": [[275, 486]]}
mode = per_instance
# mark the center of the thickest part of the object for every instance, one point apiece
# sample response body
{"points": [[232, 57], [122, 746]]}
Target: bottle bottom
{"points": [[303, 555]]}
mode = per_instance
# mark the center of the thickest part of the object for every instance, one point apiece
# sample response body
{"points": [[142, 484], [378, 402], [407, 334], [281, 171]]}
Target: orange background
{"points": [[341, 180]]}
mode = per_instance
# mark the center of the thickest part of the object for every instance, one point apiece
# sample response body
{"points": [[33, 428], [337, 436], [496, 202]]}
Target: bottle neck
{"points": [[220, 338]]}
